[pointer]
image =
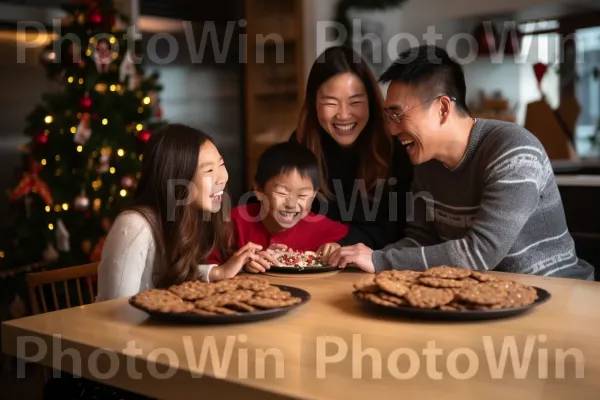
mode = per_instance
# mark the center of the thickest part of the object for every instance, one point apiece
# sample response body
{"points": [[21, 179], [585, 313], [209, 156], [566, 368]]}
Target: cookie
{"points": [[193, 290], [200, 311], [447, 272], [376, 298], [280, 295], [270, 290], [262, 302], [162, 301], [401, 275], [399, 301], [427, 297], [223, 299], [225, 286], [398, 288], [252, 283], [485, 294], [366, 284], [221, 310], [241, 306], [442, 282], [517, 294], [481, 277]]}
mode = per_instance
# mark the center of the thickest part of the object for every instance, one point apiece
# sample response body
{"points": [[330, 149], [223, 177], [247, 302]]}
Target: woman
{"points": [[176, 222], [343, 123]]}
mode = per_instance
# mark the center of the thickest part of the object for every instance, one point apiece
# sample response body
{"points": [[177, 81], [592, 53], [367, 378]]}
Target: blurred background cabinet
{"points": [[274, 82]]}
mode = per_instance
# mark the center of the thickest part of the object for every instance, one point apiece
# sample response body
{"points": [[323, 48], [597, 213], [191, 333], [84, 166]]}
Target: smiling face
{"points": [[286, 199], [210, 179], [419, 121], [343, 107]]}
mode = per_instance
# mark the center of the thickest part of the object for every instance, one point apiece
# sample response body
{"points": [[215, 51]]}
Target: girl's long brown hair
{"points": [[374, 144], [184, 236]]}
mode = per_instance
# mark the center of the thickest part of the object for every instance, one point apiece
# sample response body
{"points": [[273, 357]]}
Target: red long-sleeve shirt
{"points": [[307, 235]]}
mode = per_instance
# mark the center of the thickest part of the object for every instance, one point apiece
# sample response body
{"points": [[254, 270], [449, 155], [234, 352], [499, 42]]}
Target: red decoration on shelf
{"points": [[540, 70], [144, 136], [31, 182]]}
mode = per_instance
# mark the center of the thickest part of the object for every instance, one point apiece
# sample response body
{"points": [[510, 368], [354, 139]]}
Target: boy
{"points": [[285, 184]]}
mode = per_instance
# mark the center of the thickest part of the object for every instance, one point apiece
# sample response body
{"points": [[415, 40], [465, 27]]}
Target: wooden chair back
{"points": [[69, 287]]}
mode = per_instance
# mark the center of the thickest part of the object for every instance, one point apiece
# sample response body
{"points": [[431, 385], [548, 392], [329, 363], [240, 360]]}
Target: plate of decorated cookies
{"points": [[239, 299], [446, 292], [299, 262]]}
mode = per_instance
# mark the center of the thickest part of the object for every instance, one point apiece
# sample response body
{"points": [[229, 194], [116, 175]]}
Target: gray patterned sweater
{"points": [[499, 209]]}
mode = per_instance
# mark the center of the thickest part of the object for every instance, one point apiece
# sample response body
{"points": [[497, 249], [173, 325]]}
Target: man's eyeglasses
{"points": [[397, 117]]}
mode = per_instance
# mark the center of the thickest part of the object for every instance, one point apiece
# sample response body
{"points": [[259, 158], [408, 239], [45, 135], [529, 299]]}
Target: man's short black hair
{"points": [[283, 158], [433, 71]]}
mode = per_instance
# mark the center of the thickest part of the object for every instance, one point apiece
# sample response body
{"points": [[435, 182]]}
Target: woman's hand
{"points": [[326, 250], [235, 263]]}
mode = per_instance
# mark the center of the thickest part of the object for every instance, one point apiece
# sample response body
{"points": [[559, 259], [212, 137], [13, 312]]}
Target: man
{"points": [[484, 192]]}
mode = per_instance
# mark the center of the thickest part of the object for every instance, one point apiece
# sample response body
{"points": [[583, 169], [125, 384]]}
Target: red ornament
{"points": [[95, 18], [540, 70], [85, 103], [41, 138], [144, 136]]}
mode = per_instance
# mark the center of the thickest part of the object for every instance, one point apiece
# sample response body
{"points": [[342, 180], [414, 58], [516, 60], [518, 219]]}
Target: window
{"points": [[587, 89]]}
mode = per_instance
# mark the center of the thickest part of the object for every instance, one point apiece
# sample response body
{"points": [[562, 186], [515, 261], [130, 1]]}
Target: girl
{"points": [[343, 123], [176, 221]]}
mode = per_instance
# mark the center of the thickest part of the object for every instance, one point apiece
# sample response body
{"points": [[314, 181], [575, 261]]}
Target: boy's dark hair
{"points": [[283, 158], [433, 71]]}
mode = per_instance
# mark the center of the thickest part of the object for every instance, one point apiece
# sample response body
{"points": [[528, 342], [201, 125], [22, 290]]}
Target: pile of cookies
{"points": [[444, 288], [241, 294]]}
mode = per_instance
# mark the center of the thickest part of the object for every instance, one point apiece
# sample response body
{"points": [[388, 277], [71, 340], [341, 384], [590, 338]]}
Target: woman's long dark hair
{"points": [[374, 143], [183, 238]]}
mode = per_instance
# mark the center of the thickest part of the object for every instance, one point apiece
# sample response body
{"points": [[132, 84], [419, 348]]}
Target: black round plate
{"points": [[305, 270], [465, 315], [230, 319]]}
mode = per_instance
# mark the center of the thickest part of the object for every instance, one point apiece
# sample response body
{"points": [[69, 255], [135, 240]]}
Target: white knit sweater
{"points": [[127, 264]]}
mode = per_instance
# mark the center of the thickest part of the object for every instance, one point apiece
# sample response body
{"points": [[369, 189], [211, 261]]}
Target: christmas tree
{"points": [[86, 138]]}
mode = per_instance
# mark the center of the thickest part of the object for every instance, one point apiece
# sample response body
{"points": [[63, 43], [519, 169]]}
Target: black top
{"points": [[373, 223]]}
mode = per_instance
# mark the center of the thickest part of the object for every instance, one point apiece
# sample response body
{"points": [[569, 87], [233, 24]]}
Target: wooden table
{"points": [[319, 348]]}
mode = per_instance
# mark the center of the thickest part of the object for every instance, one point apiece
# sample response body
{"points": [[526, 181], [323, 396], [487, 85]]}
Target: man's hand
{"points": [[358, 254], [327, 249]]}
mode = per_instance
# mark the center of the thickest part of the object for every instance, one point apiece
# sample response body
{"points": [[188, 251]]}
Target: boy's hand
{"points": [[230, 268], [261, 261], [358, 254], [327, 249]]}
